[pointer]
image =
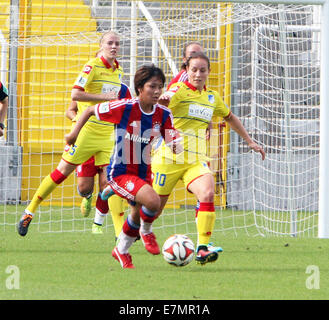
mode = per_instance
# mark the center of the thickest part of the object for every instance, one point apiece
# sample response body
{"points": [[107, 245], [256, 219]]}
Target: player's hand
{"points": [[207, 133], [110, 96], [164, 100], [177, 148], [257, 148], [70, 138]]}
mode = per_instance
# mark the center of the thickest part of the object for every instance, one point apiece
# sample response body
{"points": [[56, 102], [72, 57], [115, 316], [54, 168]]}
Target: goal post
{"points": [[323, 219], [269, 62], [323, 231]]}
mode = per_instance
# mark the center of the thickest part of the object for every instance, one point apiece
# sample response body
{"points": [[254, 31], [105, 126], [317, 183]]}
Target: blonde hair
{"points": [[97, 52], [110, 32]]}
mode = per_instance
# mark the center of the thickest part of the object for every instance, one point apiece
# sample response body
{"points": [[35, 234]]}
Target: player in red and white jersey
{"points": [[138, 123]]}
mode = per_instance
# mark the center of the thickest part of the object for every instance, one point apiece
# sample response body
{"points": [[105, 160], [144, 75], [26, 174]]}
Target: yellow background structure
{"points": [[46, 74]]}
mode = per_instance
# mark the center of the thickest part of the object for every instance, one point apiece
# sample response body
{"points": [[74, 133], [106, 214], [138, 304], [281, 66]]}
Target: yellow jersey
{"points": [[192, 111], [97, 76]]}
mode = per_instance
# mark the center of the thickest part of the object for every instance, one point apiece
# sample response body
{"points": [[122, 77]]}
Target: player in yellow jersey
{"points": [[193, 106], [100, 80], [188, 50], [100, 76]]}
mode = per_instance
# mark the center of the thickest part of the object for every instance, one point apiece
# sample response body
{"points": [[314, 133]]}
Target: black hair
{"points": [[145, 73]]}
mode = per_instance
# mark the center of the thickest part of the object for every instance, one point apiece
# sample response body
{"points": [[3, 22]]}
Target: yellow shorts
{"points": [[90, 143], [166, 176]]}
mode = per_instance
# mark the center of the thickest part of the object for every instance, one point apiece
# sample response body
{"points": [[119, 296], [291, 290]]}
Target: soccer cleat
{"points": [[23, 224], [214, 249], [107, 193], [205, 256], [150, 243], [124, 259], [85, 206], [96, 229]]}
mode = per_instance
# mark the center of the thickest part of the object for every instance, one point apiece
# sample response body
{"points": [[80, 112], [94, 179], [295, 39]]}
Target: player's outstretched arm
{"points": [[238, 127], [79, 95], [71, 137]]}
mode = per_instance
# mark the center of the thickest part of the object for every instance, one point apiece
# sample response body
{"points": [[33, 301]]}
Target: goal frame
{"points": [[323, 216], [323, 200]]}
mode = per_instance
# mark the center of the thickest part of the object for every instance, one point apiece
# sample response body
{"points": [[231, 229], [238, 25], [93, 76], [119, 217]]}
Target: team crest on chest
{"points": [[211, 98], [156, 126]]}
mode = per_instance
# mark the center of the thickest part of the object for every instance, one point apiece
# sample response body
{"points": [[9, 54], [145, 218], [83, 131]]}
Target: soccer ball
{"points": [[178, 250]]}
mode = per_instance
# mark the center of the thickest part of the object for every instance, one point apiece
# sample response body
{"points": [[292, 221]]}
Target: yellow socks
{"points": [[205, 222], [46, 187], [117, 212]]}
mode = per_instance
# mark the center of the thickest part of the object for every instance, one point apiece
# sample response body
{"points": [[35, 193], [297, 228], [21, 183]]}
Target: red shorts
{"points": [[88, 168], [127, 185]]}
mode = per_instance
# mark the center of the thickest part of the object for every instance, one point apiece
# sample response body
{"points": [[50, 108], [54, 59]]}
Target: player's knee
{"points": [[85, 190], [207, 195], [153, 203]]}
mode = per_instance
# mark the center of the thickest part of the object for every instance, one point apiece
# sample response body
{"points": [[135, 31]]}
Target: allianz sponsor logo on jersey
{"points": [[201, 112], [136, 138], [147, 135]]}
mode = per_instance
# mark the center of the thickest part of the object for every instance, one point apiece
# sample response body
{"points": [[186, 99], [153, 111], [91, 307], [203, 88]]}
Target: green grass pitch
{"points": [[79, 265]]}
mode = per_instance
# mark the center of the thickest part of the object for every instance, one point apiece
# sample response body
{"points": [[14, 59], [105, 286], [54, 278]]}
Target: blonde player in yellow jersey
{"points": [[193, 106], [99, 81], [100, 78]]}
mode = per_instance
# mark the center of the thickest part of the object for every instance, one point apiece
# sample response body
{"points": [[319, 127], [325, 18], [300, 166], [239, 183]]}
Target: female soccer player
{"points": [[99, 81], [189, 49], [193, 106], [139, 123]]}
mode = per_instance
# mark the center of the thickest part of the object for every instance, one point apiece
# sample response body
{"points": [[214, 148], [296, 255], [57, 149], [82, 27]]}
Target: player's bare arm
{"points": [[71, 137], [80, 95], [238, 127]]}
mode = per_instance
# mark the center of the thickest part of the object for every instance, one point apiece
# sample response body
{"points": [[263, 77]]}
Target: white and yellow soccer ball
{"points": [[178, 250]]}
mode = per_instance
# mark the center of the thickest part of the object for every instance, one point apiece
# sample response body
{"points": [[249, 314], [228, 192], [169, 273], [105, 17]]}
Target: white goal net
{"points": [[265, 63]]}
